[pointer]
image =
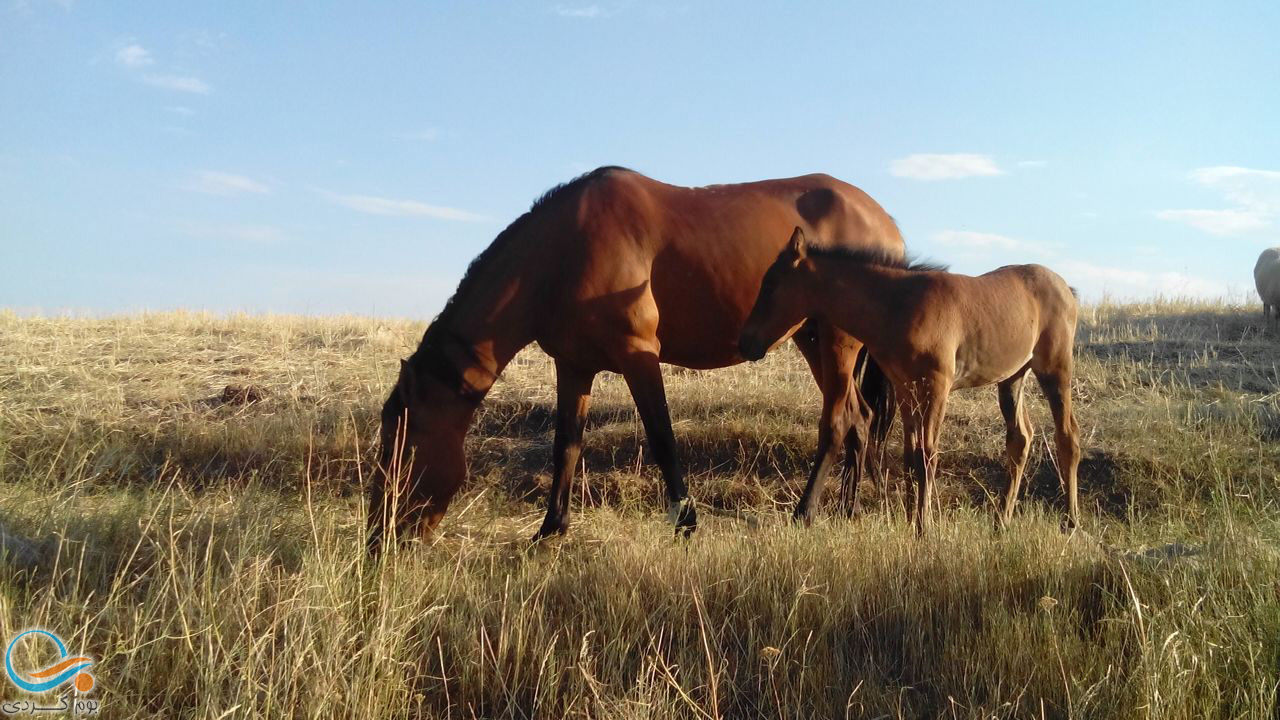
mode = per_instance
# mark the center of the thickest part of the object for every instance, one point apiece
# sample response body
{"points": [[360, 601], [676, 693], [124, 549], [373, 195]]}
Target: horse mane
{"points": [[422, 358], [876, 256]]}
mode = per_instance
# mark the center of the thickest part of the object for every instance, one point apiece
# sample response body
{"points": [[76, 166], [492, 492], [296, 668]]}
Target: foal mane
{"points": [[427, 357], [877, 257]]}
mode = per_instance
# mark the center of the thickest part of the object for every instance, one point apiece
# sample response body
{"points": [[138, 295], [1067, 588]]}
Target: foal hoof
{"points": [[802, 518], [684, 517]]}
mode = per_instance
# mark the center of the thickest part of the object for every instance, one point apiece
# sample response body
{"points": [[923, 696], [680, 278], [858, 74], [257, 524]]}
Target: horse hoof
{"points": [[550, 529], [684, 517]]}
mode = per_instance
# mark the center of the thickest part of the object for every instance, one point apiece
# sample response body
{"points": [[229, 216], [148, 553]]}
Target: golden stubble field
{"points": [[190, 486]]}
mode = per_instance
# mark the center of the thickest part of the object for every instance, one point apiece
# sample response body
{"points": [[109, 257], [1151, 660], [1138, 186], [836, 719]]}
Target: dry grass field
{"points": [[194, 484]]}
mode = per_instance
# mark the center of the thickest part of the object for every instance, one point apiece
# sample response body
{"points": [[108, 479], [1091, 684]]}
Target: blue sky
{"points": [[331, 158]]}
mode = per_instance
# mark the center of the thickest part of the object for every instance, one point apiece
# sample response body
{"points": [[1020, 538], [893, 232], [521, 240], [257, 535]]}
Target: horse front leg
{"points": [[573, 399]]}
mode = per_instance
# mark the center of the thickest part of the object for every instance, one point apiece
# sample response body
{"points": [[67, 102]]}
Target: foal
{"points": [[933, 331]]}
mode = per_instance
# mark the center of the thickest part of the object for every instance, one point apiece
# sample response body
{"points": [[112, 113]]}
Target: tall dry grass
{"points": [[197, 479]]}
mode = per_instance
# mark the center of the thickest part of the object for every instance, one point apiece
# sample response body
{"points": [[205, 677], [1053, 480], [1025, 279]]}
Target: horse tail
{"points": [[877, 392]]}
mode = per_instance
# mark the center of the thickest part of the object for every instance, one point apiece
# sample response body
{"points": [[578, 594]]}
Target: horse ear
{"points": [[798, 246], [407, 382]]}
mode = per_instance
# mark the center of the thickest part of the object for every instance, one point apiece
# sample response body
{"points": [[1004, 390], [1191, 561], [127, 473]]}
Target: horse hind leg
{"points": [[643, 374], [1017, 441], [1056, 384]]}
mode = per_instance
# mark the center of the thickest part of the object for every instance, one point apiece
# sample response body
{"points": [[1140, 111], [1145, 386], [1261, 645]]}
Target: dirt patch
{"points": [[239, 395]]}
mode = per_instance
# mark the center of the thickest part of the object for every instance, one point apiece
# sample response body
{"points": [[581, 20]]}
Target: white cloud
{"points": [[220, 183], [388, 206], [586, 12], [924, 166], [182, 83], [977, 240], [133, 56], [1255, 195]]}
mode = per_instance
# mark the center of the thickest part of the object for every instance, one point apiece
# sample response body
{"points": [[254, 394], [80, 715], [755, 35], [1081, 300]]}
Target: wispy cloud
{"points": [[1218, 222], [1099, 280], [134, 56], [924, 166], [182, 83], [584, 12], [388, 206], [1093, 280], [211, 182], [1254, 196]]}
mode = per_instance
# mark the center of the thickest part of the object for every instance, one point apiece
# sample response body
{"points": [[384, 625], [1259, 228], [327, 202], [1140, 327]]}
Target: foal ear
{"points": [[798, 246], [407, 382]]}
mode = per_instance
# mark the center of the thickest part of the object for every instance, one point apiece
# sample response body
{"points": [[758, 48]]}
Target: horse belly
{"points": [[987, 360], [699, 333]]}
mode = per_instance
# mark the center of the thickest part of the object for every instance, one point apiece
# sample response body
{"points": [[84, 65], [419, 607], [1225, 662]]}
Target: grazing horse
{"points": [[1266, 277], [616, 271], [931, 332]]}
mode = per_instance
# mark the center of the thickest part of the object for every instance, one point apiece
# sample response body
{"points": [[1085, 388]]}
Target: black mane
{"points": [[427, 357], [876, 256]]}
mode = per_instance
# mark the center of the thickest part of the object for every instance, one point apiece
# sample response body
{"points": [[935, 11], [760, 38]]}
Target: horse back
{"points": [[690, 259]]}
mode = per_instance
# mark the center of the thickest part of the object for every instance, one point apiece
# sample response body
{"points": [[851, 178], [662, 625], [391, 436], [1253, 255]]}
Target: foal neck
{"points": [[858, 296]]}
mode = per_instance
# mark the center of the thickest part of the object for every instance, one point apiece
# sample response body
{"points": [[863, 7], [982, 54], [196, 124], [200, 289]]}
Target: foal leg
{"points": [[573, 398], [1017, 440], [1056, 384], [924, 410], [842, 414], [643, 374], [909, 445]]}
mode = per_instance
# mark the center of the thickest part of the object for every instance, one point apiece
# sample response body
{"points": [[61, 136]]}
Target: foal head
{"points": [[783, 302]]}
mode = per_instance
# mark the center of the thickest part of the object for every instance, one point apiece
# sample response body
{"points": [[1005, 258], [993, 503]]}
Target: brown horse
{"points": [[616, 271], [931, 332]]}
